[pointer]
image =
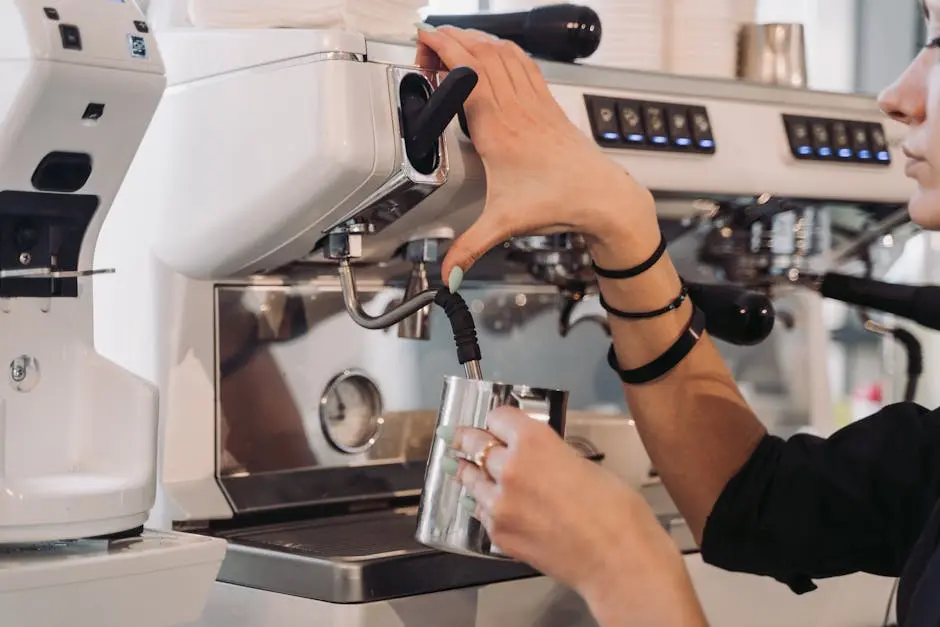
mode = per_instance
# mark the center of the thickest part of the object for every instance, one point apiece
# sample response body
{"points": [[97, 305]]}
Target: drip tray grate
{"points": [[358, 558]]}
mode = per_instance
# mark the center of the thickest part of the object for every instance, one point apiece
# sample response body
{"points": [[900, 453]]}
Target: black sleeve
{"points": [[810, 508]]}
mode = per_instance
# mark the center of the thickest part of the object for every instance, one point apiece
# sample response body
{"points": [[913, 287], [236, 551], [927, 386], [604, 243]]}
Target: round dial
{"points": [[351, 412]]}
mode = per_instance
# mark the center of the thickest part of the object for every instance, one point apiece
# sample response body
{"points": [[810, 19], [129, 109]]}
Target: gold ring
{"points": [[479, 460]]}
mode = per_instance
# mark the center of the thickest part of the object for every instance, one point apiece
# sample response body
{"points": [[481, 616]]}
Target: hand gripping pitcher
{"points": [[443, 522]]}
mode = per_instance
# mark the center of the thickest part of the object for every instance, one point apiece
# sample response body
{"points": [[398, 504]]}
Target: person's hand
{"points": [[543, 175], [547, 506]]}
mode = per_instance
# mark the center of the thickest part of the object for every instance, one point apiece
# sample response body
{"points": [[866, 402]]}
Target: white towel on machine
{"points": [[392, 19]]}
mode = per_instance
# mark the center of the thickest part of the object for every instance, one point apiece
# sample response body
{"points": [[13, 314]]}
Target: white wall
{"points": [[453, 6], [890, 32], [830, 27]]}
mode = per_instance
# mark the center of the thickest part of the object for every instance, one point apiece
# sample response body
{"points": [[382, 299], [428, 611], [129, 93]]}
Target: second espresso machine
{"points": [[288, 305]]}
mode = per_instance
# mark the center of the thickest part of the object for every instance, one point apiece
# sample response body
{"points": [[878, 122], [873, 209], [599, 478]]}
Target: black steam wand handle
{"points": [[918, 303], [558, 32], [425, 126]]}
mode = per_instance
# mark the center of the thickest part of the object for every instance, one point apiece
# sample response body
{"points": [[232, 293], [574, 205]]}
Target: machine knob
{"points": [[426, 116], [734, 315], [558, 32]]}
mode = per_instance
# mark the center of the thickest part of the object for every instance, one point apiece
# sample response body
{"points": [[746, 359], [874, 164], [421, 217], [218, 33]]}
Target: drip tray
{"points": [[353, 559]]}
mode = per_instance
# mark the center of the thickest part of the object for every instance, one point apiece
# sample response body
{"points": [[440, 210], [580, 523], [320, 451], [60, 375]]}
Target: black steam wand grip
{"points": [[461, 322], [558, 32], [425, 127], [918, 303]]}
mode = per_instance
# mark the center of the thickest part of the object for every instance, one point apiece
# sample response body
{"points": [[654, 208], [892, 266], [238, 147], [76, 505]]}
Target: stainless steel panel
{"points": [[280, 347]]}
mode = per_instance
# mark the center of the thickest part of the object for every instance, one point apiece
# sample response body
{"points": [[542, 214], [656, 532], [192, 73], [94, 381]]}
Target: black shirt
{"points": [[863, 500]]}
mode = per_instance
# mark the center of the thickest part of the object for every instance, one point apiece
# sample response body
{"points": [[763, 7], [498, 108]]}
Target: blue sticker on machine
{"points": [[137, 46]]}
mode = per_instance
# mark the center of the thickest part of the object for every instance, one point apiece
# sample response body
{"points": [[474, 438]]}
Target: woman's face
{"points": [[914, 99]]}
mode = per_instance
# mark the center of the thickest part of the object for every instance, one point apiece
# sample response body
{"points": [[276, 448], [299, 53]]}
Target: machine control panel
{"points": [[641, 125], [817, 139]]}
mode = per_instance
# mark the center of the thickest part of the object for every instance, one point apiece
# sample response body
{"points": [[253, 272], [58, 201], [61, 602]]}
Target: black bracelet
{"points": [[667, 361], [635, 271], [646, 315]]}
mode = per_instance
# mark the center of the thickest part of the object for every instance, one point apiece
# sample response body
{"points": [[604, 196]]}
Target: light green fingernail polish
{"points": [[425, 27], [468, 503], [449, 466], [455, 279], [446, 433]]}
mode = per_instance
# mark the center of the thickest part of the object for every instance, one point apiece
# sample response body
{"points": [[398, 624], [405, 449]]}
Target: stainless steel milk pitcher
{"points": [[443, 523]]}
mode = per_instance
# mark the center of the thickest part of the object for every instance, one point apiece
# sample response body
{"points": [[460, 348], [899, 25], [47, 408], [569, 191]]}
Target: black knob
{"points": [[26, 235], [425, 114], [559, 32], [734, 315]]}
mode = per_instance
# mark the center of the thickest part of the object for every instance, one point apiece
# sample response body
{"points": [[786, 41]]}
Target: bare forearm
{"points": [[652, 608], [694, 422], [653, 592]]}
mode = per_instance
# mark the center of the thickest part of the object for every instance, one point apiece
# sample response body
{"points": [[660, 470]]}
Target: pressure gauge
{"points": [[351, 412]]}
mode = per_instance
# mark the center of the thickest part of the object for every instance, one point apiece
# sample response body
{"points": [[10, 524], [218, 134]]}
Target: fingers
{"points": [[480, 487], [426, 57], [527, 77], [466, 250], [513, 78], [473, 442], [509, 424], [450, 52], [453, 54], [488, 52]]}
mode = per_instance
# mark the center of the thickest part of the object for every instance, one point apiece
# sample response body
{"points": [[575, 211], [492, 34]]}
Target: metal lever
{"points": [[49, 273]]}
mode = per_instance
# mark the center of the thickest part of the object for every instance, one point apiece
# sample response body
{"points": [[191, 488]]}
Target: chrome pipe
{"points": [[347, 281]]}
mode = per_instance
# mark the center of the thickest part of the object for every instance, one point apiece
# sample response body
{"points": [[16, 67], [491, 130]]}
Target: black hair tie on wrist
{"points": [[666, 362], [635, 271], [646, 315]]}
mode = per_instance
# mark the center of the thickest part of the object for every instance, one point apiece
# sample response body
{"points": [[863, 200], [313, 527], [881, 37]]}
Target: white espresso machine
{"points": [[276, 237], [79, 83]]}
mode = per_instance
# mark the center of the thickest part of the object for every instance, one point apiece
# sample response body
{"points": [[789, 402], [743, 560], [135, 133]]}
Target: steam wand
{"points": [[454, 306], [387, 319], [465, 333]]}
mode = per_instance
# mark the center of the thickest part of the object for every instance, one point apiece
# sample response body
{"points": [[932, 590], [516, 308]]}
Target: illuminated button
{"points": [[822, 143], [631, 122], [840, 140], [71, 37], [879, 143], [860, 143], [603, 115], [701, 127], [678, 122], [655, 118], [801, 143]]}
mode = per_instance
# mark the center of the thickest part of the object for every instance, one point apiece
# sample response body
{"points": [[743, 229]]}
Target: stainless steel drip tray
{"points": [[353, 559]]}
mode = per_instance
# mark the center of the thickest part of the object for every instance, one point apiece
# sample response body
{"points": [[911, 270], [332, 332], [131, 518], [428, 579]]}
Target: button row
{"points": [[816, 139], [650, 125]]}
